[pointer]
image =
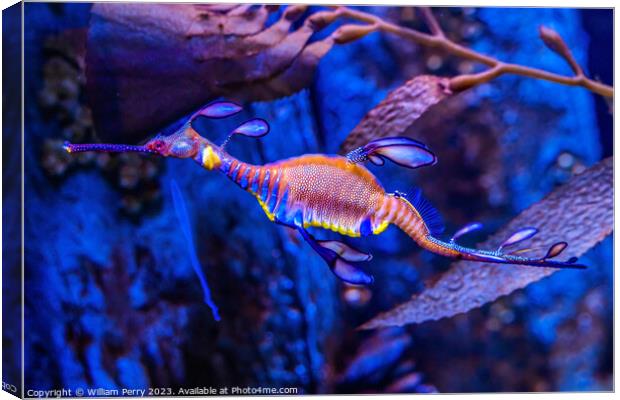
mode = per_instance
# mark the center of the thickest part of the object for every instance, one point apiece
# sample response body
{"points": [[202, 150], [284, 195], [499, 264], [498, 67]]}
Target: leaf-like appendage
{"points": [[580, 212], [400, 109]]}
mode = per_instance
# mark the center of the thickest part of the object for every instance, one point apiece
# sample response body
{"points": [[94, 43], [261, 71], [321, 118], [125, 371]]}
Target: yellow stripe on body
{"points": [[263, 205], [333, 227], [380, 228]]}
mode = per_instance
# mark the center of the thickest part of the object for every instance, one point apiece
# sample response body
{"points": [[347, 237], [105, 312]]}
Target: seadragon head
{"points": [[183, 144], [186, 142]]}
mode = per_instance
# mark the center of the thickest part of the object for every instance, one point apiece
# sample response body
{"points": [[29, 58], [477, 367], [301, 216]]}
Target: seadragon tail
{"points": [[418, 219]]}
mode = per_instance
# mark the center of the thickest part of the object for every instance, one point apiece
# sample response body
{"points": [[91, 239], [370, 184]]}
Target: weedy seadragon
{"points": [[333, 192]]}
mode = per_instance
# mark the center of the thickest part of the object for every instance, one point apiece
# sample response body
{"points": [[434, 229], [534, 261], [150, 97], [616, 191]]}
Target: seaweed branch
{"points": [[496, 67], [232, 52]]}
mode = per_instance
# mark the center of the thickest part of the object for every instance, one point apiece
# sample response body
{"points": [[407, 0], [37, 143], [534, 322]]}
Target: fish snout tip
{"points": [[67, 146]]}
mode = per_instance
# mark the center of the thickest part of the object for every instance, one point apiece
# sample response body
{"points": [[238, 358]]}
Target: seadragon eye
{"points": [[158, 145]]}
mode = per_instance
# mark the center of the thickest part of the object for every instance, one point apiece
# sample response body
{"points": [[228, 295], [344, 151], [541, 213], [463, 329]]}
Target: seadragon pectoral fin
{"points": [[338, 257], [403, 151]]}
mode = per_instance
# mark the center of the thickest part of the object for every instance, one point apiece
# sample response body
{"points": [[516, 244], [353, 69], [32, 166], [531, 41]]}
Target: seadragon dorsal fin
{"points": [[432, 218]]}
